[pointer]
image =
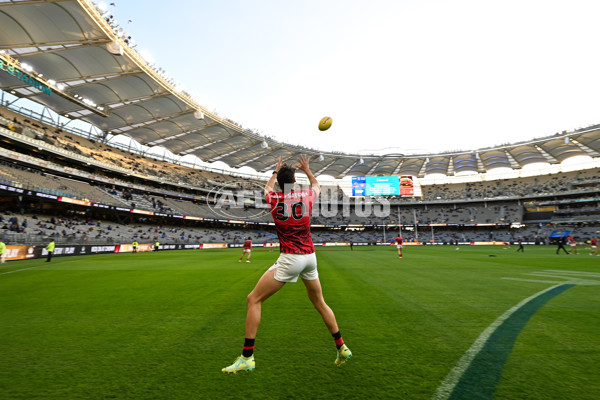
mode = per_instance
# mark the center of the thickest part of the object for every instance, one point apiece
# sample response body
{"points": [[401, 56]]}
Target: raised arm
{"points": [[271, 183], [314, 184]]}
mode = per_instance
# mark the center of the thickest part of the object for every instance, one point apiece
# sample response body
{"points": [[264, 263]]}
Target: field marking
{"points": [[22, 269], [573, 277], [446, 388], [532, 280], [577, 273]]}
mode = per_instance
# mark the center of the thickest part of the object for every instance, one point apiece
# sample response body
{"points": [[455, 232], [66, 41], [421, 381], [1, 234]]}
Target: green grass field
{"points": [[162, 325]]}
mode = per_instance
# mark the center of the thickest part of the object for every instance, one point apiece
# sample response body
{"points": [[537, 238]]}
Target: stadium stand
{"points": [[468, 212]]}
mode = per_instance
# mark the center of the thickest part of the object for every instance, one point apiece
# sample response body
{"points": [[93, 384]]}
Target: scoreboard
{"points": [[382, 186]]}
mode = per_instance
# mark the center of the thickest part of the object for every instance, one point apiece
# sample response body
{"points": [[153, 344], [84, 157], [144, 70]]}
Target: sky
{"points": [[398, 76]]}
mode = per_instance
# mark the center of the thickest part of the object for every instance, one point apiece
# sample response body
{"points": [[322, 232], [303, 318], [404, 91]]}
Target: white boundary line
{"points": [[445, 389], [23, 269]]}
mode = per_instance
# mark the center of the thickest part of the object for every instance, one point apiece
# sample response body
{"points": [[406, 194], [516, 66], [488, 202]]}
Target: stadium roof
{"points": [[71, 58]]}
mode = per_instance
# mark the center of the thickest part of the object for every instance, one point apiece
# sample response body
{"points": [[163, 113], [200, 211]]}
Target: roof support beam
{"points": [[58, 46]]}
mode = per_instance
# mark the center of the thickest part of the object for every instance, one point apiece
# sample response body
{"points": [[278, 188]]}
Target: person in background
{"points": [[594, 246], [520, 242], [247, 250], [561, 245], [134, 246], [398, 241], [156, 245], [50, 250], [2, 252], [572, 244]]}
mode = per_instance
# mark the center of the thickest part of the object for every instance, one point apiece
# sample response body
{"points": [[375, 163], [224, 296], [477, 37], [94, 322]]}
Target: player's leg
{"points": [[267, 286], [315, 294], [249, 252]]}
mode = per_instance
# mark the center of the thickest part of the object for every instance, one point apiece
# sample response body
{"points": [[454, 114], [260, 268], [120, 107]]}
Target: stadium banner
{"points": [[138, 211], [213, 245], [30, 252], [77, 250], [20, 252], [560, 233], [406, 186], [128, 248], [335, 244], [74, 201]]}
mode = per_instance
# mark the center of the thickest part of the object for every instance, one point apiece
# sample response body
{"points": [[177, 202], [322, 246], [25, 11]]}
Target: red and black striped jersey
{"points": [[291, 213]]}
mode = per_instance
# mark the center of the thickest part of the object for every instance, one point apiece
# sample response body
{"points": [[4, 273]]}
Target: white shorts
{"points": [[289, 267], [594, 247], [398, 246], [247, 250], [573, 244]]}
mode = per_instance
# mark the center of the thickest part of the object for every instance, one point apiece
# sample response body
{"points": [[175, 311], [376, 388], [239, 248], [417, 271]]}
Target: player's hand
{"points": [[304, 161], [280, 163]]}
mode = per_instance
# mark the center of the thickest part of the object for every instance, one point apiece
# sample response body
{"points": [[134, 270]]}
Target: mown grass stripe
{"points": [[476, 374]]}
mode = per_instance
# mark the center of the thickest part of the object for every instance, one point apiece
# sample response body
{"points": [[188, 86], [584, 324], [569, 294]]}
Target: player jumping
{"points": [[291, 212]]}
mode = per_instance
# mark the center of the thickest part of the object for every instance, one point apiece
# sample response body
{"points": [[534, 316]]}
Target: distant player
{"points": [[291, 213], [572, 244], [247, 250], [520, 242], [456, 244], [399, 241], [351, 245], [594, 246]]}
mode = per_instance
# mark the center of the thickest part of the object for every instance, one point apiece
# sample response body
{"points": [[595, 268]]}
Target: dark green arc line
{"points": [[480, 379]]}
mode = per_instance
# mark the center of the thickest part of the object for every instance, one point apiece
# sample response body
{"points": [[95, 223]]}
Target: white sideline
{"points": [[23, 269], [445, 389]]}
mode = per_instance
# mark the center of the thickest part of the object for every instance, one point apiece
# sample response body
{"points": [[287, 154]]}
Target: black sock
{"points": [[339, 342], [248, 347]]}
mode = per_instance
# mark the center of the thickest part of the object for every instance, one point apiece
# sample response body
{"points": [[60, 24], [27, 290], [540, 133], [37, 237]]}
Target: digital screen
{"points": [[383, 186], [359, 184], [379, 186]]}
